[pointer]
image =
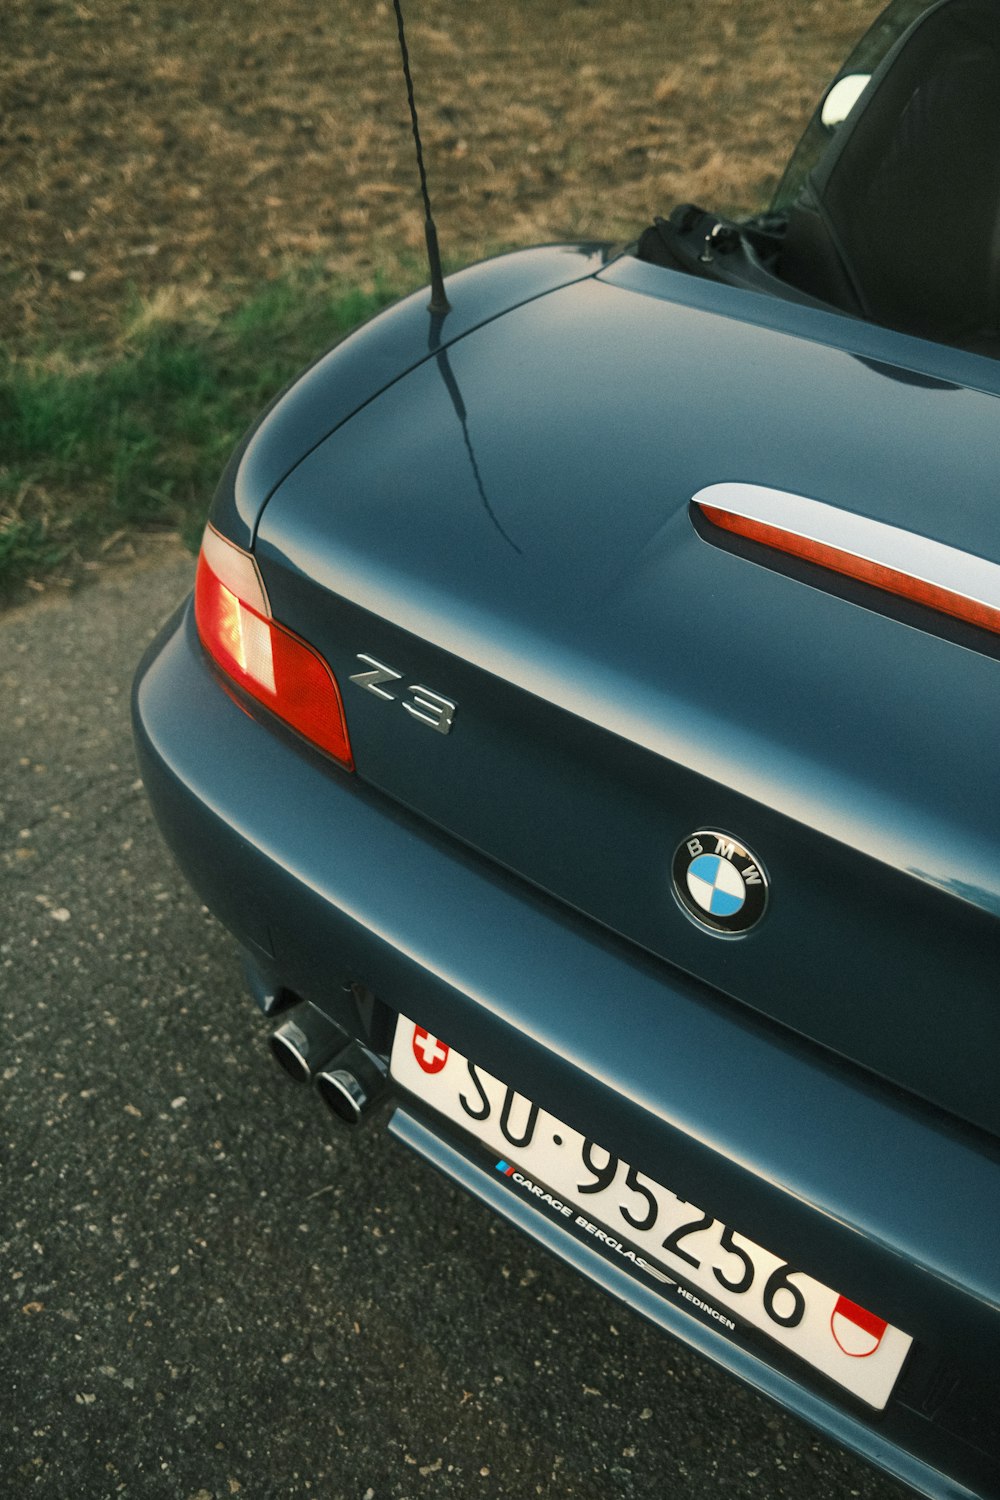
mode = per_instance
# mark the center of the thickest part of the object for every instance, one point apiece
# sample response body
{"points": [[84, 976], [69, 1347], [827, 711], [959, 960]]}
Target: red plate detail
{"points": [[430, 1053], [857, 1331]]}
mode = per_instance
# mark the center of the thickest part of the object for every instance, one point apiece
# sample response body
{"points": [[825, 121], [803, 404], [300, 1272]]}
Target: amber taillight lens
{"points": [[267, 661]]}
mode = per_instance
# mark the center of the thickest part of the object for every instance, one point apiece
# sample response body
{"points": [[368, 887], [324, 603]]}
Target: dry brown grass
{"points": [[150, 144]]}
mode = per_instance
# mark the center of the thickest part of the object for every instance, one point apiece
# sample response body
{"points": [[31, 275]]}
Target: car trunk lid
{"points": [[509, 530]]}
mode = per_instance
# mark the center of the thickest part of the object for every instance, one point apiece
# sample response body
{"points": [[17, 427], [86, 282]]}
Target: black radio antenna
{"points": [[439, 302]]}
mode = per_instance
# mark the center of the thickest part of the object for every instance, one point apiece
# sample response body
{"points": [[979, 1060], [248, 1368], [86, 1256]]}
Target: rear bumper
{"points": [[328, 884]]}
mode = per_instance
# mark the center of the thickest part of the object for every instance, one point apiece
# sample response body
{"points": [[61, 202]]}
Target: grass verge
{"points": [[100, 441]]}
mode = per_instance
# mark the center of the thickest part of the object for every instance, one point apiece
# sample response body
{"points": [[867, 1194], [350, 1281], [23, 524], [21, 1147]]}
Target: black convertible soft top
{"points": [[898, 220]]}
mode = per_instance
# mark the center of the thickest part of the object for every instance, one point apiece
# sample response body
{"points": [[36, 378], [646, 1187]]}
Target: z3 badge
{"points": [[719, 883], [423, 704]]}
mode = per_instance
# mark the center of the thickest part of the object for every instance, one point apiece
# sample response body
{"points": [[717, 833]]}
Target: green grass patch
{"points": [[98, 441]]}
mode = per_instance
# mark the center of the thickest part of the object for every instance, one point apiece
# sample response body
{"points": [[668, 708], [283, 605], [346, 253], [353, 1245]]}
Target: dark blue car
{"points": [[587, 722]]}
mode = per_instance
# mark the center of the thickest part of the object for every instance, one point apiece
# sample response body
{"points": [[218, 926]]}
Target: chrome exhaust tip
{"points": [[306, 1042], [352, 1083]]}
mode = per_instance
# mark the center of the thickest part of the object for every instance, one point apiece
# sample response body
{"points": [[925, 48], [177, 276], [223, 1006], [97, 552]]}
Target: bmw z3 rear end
{"points": [[586, 721]]}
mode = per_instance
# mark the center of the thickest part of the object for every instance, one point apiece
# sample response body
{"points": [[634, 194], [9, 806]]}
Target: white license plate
{"points": [[658, 1235]]}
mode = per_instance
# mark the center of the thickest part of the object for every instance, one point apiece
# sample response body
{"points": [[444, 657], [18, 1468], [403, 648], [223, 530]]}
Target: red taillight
{"points": [[896, 561], [266, 660]]}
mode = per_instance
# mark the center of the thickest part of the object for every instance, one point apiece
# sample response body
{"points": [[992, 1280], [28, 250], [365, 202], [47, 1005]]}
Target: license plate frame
{"points": [[709, 1268]]}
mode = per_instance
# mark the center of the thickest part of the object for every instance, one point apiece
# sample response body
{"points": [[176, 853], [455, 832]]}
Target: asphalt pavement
{"points": [[207, 1287]]}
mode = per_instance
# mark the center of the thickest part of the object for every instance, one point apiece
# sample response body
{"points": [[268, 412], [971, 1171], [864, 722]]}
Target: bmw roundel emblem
{"points": [[719, 883]]}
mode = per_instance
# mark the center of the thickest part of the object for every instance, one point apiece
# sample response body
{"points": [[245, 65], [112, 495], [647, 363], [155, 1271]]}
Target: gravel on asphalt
{"points": [[208, 1289]]}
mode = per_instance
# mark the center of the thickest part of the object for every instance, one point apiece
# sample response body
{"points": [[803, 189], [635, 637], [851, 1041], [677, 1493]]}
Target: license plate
{"points": [[659, 1236]]}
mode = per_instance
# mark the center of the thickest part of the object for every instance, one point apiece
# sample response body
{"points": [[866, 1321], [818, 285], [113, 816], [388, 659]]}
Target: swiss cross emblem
{"points": [[430, 1053]]}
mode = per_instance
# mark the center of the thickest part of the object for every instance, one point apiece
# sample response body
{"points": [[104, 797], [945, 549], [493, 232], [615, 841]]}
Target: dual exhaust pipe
{"points": [[313, 1049]]}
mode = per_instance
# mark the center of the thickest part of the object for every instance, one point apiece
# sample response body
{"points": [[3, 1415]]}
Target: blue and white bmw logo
{"points": [[719, 883]]}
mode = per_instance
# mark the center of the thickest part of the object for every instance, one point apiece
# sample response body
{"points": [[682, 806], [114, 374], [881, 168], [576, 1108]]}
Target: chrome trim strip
{"points": [[961, 573]]}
